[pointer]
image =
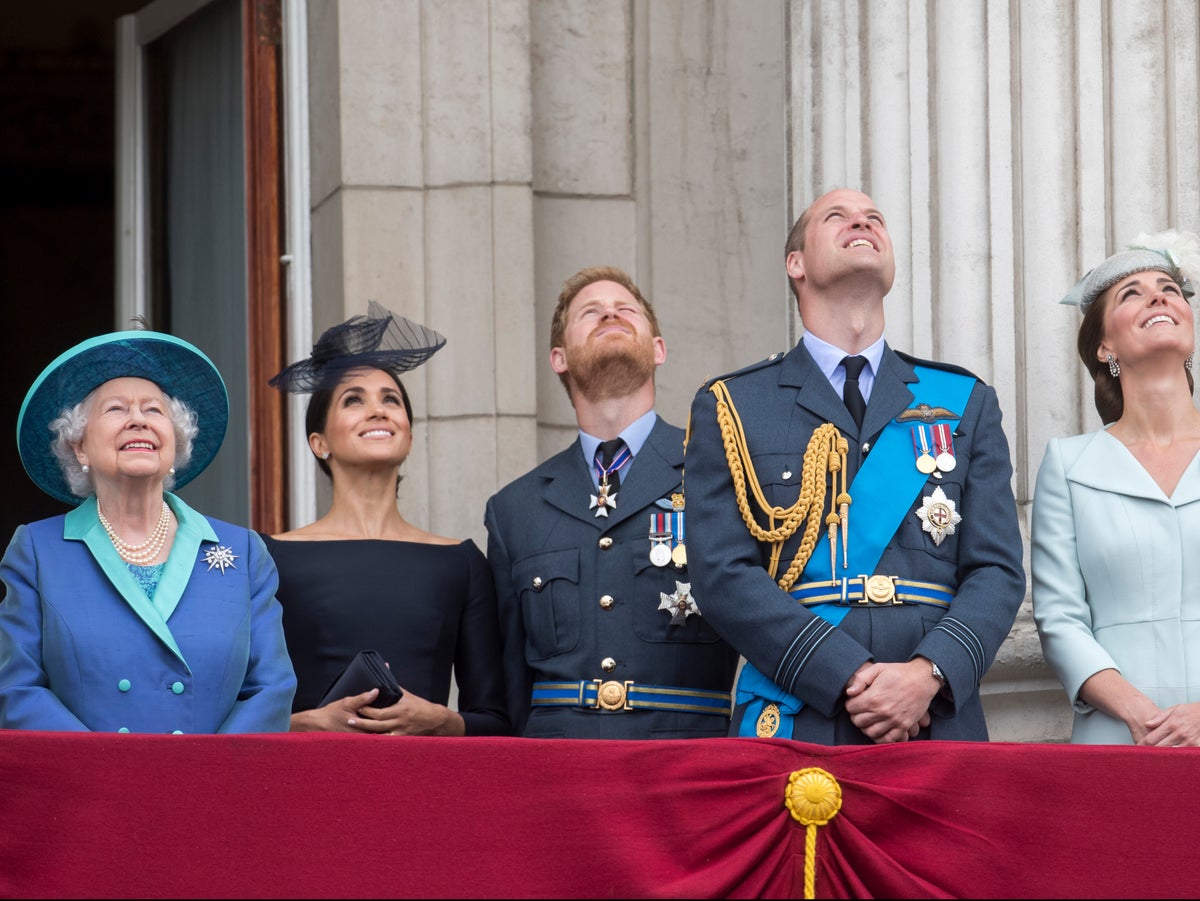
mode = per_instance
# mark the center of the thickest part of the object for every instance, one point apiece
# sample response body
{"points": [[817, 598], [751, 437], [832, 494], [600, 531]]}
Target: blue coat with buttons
{"points": [[83, 648], [781, 401], [576, 590]]}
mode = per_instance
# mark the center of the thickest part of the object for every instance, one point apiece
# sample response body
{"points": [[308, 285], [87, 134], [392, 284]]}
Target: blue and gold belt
{"points": [[872, 591], [620, 697]]}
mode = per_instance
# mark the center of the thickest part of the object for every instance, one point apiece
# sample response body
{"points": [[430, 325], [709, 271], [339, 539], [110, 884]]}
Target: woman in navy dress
{"points": [[362, 576]]}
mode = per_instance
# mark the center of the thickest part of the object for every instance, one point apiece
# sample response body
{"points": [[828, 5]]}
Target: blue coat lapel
{"points": [[890, 394], [569, 485], [83, 524], [658, 463]]}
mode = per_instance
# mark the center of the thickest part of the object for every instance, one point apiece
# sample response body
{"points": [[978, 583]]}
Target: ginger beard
{"points": [[610, 365]]}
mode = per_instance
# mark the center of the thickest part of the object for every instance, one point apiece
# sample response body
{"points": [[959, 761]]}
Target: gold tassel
{"points": [[814, 798]]}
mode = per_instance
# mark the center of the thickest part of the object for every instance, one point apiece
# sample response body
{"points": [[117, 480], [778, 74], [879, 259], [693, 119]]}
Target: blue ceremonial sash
{"points": [[886, 485]]}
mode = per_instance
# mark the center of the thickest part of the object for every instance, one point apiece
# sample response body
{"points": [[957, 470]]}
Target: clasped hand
{"points": [[1176, 726], [889, 702]]}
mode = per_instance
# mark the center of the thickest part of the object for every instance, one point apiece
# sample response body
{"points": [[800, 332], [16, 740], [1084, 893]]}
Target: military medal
{"points": [[938, 516], [603, 502], [767, 724], [680, 605], [606, 499], [943, 443], [679, 552], [660, 539], [925, 461]]}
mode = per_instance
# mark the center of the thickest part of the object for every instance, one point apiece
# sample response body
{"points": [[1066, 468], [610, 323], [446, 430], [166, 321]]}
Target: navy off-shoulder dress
{"points": [[429, 609]]}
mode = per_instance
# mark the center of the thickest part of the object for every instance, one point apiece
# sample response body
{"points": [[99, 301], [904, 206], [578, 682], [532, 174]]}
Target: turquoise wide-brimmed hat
{"points": [[181, 370]]}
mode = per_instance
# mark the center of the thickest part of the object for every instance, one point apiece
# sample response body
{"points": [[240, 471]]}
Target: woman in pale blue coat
{"points": [[1116, 512], [133, 612]]}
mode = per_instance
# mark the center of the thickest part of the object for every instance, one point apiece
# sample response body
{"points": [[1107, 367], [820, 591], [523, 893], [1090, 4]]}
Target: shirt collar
{"points": [[828, 358], [634, 435]]}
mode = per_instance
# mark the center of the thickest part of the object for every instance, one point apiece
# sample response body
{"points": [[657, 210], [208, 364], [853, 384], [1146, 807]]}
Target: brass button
{"points": [[607, 601], [605, 543], [608, 664], [537, 583]]}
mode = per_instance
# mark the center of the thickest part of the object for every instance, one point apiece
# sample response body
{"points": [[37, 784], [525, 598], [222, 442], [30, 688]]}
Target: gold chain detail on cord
{"points": [[824, 457], [144, 553]]}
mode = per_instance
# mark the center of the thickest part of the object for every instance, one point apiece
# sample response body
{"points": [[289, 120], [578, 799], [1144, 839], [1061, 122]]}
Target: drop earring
{"points": [[1114, 367], [1187, 364]]}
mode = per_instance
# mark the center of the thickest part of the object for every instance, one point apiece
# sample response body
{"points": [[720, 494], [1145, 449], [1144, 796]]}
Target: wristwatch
{"points": [[937, 673]]}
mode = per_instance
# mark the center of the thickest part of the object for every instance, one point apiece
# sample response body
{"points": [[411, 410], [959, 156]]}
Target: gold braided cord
{"points": [[824, 456]]}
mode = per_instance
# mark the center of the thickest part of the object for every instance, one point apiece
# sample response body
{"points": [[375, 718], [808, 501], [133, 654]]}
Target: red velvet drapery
{"points": [[103, 815]]}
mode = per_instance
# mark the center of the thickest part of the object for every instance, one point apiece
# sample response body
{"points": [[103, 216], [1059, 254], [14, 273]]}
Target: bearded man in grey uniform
{"points": [[603, 637]]}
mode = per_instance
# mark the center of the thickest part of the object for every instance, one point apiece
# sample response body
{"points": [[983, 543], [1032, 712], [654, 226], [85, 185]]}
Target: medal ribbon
{"points": [[943, 439], [923, 449], [603, 472]]}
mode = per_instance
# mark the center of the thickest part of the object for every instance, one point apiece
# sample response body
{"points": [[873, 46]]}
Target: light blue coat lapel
{"points": [[1105, 464]]}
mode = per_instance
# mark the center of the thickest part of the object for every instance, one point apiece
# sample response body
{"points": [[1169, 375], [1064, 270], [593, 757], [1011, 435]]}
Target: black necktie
{"points": [[851, 394], [605, 454]]}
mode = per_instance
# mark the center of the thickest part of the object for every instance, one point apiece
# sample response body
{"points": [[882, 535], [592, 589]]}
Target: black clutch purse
{"points": [[366, 671]]}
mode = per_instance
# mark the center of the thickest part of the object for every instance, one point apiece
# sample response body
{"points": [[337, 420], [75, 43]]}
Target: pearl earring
{"points": [[325, 456], [86, 469], [1114, 367], [171, 470]]}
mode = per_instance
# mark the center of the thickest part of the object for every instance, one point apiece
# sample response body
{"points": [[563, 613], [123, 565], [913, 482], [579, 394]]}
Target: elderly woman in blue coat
{"points": [[1116, 512], [133, 612]]}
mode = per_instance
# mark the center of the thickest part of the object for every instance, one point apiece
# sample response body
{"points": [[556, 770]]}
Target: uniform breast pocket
{"points": [[549, 587], [779, 475], [662, 594], [934, 522]]}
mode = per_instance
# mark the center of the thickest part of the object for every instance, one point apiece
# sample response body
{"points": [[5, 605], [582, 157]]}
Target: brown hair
{"points": [[316, 417], [795, 240], [576, 283], [1108, 397]]}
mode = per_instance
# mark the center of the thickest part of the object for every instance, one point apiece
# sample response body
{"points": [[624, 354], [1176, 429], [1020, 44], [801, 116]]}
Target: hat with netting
{"points": [[379, 340]]}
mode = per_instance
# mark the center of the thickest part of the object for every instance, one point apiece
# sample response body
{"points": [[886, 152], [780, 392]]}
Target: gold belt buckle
{"points": [[880, 590], [613, 695]]}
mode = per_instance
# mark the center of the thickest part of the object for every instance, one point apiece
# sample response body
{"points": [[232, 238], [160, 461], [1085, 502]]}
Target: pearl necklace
{"points": [[142, 554]]}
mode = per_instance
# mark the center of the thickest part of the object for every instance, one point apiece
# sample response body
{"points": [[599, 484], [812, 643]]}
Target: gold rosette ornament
{"points": [[814, 798]]}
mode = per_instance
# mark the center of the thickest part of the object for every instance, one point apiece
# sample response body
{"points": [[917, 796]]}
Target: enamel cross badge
{"points": [[603, 502], [681, 604], [938, 516]]}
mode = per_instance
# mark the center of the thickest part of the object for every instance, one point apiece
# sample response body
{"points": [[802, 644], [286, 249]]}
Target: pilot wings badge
{"points": [[926, 413]]}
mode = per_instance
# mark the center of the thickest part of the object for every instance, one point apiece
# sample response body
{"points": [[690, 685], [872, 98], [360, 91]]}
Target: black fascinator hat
{"points": [[379, 340]]}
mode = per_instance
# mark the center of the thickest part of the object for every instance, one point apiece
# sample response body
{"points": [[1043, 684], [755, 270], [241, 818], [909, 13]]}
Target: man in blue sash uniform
{"points": [[602, 636], [867, 570]]}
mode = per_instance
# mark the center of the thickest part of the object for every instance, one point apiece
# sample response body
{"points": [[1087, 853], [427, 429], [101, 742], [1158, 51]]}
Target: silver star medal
{"points": [[603, 502], [938, 516], [681, 604], [220, 557]]}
